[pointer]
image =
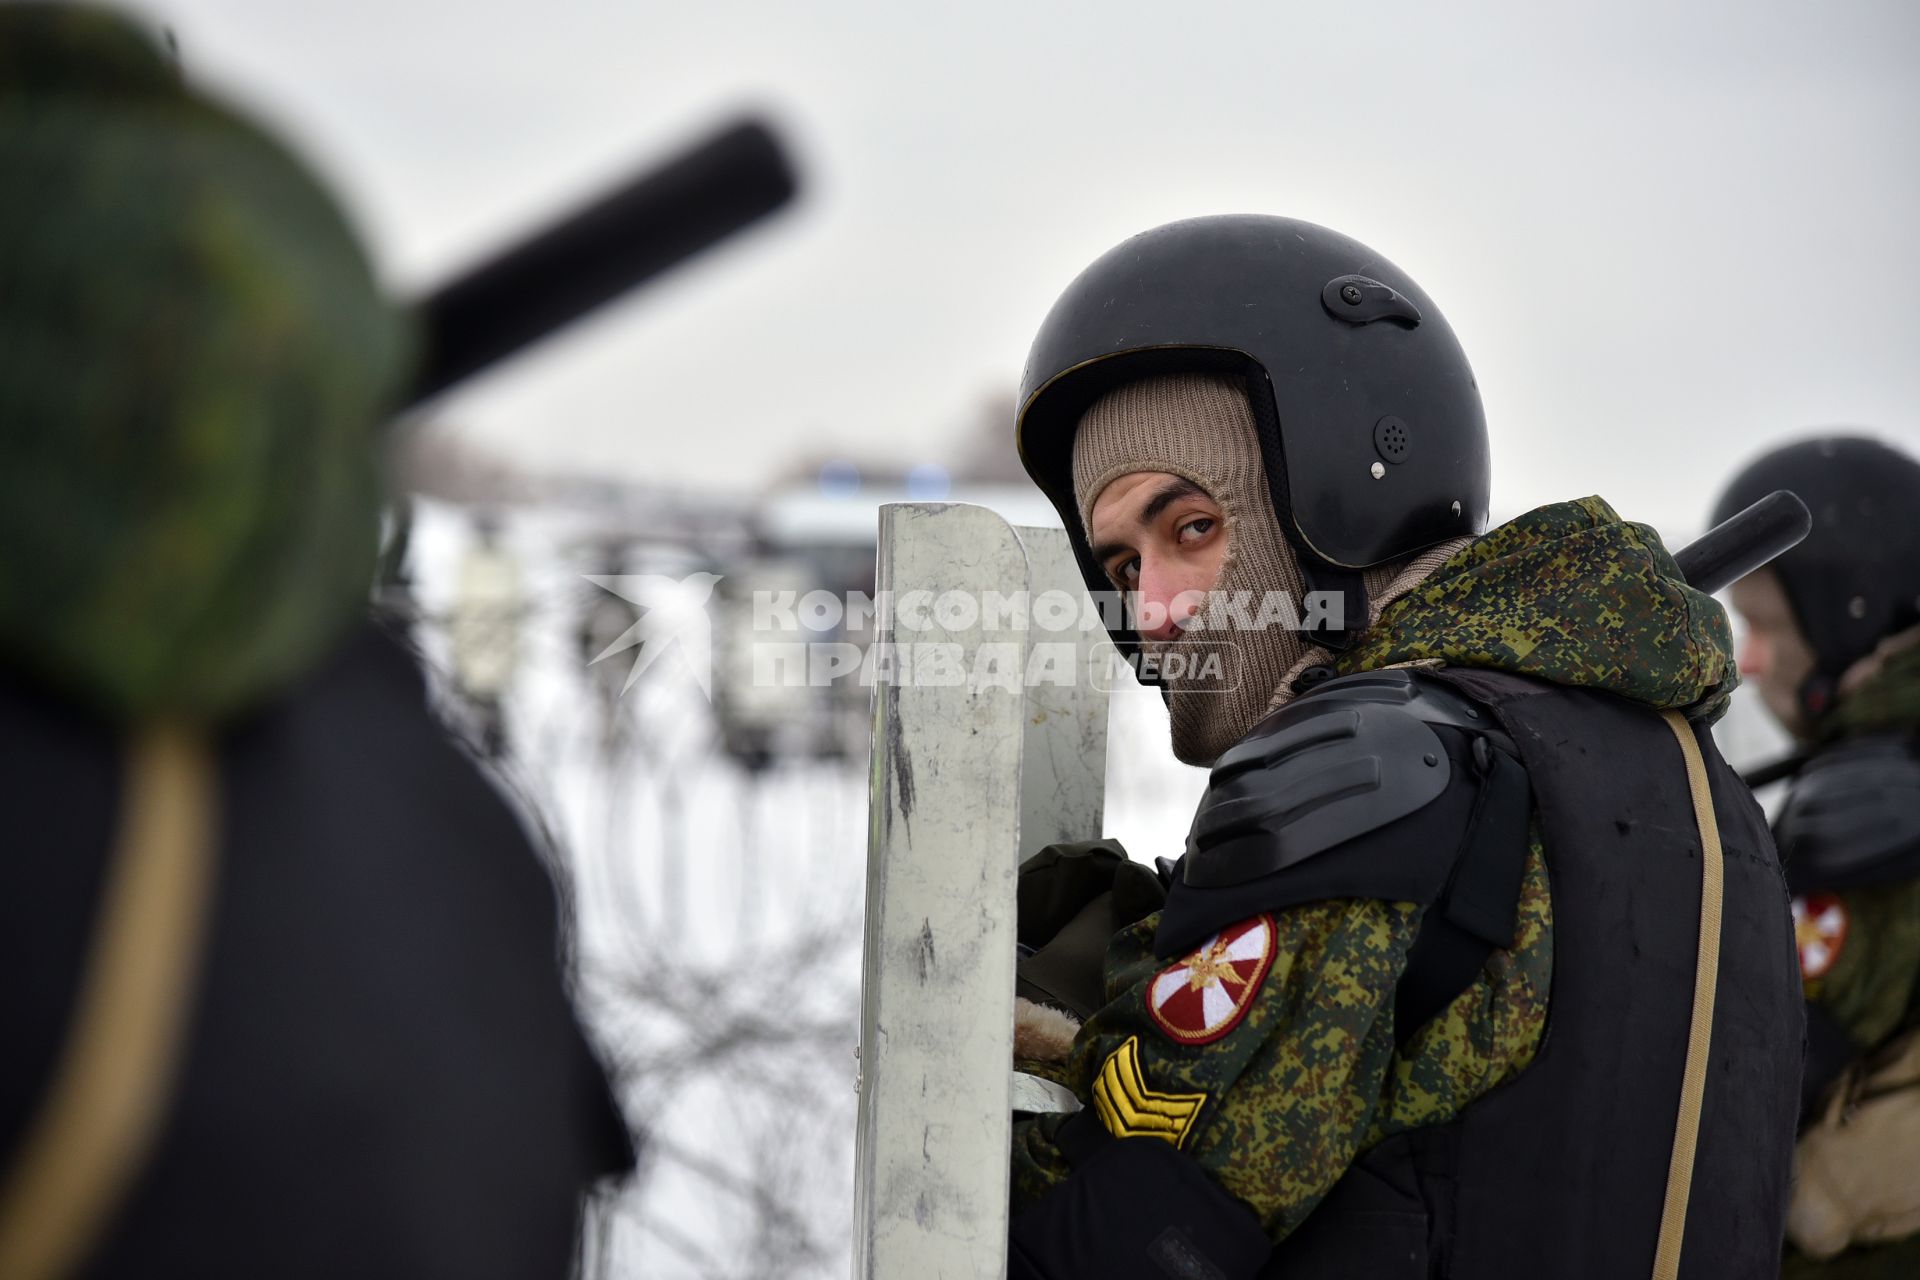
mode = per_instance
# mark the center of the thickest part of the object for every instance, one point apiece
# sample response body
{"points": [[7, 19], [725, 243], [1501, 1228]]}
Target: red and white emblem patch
{"points": [[1820, 930], [1201, 998]]}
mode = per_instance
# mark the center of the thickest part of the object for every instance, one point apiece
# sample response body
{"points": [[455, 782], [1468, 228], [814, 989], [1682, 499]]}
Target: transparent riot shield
{"points": [[989, 743]]}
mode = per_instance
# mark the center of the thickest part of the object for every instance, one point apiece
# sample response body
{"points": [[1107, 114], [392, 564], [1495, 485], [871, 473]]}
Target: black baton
{"points": [[599, 252], [1743, 542]]}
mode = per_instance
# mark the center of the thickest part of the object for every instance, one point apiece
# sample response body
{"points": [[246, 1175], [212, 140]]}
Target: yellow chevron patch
{"points": [[1131, 1110]]}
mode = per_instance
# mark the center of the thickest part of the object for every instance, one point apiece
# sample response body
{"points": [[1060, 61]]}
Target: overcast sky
{"points": [[1667, 235]]}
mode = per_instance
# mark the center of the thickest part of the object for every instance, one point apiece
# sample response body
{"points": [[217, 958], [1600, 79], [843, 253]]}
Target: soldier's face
{"points": [[1774, 656], [1162, 539]]}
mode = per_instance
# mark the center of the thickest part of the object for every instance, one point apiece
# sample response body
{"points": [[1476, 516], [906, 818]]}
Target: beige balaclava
{"points": [[1200, 426]]}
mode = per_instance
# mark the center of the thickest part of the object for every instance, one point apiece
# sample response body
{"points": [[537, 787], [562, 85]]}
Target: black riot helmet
{"points": [[1856, 578], [1367, 412]]}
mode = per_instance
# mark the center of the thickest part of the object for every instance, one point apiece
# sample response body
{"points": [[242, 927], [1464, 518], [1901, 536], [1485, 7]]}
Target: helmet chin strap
{"points": [[1816, 696], [1320, 575], [1351, 589]]}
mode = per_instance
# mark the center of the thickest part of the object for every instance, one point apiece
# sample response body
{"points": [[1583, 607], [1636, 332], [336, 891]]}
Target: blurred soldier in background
{"points": [[1484, 779], [1833, 645], [484, 632], [282, 992]]}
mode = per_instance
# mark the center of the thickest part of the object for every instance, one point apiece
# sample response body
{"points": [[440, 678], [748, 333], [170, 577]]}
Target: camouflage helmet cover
{"points": [[194, 360]]}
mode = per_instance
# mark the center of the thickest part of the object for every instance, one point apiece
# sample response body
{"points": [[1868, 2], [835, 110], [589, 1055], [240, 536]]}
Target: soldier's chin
{"points": [[1201, 732], [1205, 719], [1206, 666], [1784, 705]]}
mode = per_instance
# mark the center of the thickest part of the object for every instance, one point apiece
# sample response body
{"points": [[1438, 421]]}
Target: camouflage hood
{"points": [[194, 362], [1887, 702], [1569, 593]]}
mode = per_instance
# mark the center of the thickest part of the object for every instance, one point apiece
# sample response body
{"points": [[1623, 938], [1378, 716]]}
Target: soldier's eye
{"points": [[1125, 572], [1195, 529]]}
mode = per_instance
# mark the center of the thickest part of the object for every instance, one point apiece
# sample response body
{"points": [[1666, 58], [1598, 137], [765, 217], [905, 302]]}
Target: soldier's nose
{"points": [[1753, 656], [1158, 613], [1167, 604], [1155, 619]]}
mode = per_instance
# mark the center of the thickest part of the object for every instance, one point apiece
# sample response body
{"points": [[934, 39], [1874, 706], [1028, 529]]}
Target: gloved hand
{"points": [[1072, 899]]}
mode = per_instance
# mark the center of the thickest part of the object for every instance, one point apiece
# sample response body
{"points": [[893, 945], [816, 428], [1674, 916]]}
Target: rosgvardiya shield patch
{"points": [[1200, 998], [1820, 929]]}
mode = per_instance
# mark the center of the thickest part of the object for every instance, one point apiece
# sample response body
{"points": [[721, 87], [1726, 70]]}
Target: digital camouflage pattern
{"points": [[1873, 988], [1569, 593], [194, 362], [1888, 702], [1310, 1078]]}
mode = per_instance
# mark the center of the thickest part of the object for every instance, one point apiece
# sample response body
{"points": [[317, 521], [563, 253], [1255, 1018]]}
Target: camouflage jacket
{"points": [[1860, 948], [1308, 1077]]}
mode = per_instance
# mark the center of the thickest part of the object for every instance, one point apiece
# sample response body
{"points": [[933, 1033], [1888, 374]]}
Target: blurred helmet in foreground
{"points": [[194, 362]]}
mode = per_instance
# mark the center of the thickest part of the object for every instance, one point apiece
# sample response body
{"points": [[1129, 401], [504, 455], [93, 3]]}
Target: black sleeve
{"points": [[1134, 1208]]}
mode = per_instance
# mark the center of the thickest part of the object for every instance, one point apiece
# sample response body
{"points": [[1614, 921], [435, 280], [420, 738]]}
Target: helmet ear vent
{"points": [[1391, 439]]}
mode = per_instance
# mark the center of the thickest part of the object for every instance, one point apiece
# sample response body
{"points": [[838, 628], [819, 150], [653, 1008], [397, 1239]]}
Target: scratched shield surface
{"points": [[717, 876], [716, 880]]}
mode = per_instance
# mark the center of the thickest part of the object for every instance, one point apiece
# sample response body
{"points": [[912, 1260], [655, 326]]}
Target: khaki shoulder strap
{"points": [[107, 1096], [1706, 977]]}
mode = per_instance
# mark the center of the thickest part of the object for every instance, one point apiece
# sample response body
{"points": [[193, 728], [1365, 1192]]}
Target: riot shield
{"points": [[986, 748]]}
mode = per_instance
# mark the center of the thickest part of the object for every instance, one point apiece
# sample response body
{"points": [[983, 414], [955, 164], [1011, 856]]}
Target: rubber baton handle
{"points": [[1743, 542], [625, 238]]}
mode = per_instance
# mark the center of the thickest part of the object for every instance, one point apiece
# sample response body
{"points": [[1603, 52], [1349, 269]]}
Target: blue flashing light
{"points": [[839, 479], [929, 482]]}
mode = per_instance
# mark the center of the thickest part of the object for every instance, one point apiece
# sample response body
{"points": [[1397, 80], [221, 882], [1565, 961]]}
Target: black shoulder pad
{"points": [[1853, 817], [1355, 755], [1413, 792]]}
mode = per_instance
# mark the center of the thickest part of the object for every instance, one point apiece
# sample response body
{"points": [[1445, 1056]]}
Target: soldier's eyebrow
{"points": [[1176, 488]]}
